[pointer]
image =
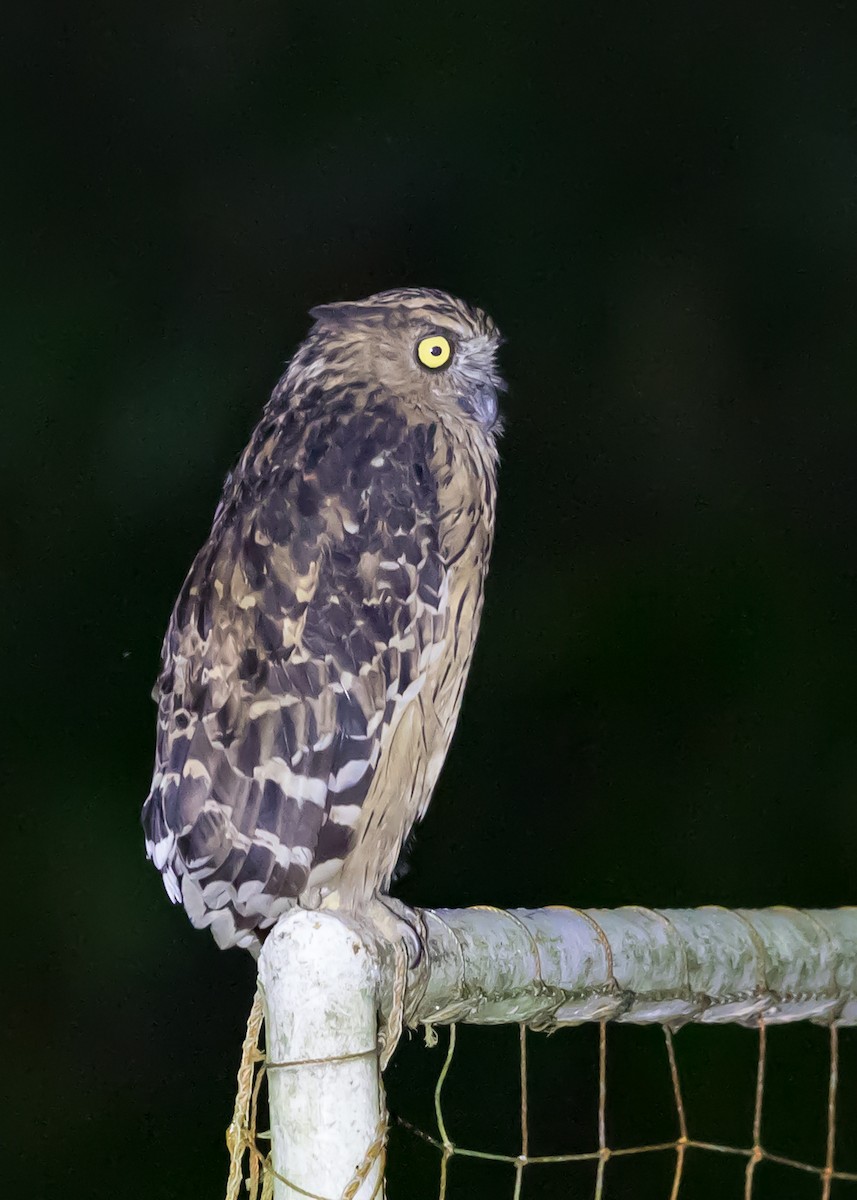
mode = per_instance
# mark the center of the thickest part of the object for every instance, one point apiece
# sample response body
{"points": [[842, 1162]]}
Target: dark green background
{"points": [[658, 204]]}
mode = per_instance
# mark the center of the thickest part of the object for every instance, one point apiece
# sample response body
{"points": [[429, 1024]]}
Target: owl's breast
{"points": [[416, 743], [466, 546]]}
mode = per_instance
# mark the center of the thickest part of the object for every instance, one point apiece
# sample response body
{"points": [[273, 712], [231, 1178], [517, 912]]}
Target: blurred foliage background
{"points": [[658, 204]]}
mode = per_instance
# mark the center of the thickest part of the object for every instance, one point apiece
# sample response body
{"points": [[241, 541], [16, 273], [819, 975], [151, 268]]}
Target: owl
{"points": [[314, 664]]}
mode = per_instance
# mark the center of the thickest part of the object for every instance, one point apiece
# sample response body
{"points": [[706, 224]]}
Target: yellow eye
{"points": [[434, 352]]}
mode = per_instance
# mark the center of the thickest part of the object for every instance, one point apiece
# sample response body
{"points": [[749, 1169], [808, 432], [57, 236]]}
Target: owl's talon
{"points": [[400, 925], [403, 929]]}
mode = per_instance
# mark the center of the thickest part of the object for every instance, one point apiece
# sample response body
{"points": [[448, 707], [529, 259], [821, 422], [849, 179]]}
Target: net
{"points": [[753, 1153]]}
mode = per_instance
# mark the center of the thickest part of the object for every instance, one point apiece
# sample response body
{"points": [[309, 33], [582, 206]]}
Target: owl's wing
{"points": [[306, 622]]}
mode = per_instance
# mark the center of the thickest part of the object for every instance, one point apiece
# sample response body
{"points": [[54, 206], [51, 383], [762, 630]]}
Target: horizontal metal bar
{"points": [[564, 966]]}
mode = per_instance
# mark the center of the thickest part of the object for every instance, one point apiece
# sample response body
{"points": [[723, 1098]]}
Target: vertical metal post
{"points": [[320, 986]]}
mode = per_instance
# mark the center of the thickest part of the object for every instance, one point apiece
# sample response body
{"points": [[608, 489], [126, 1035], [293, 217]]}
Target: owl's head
{"points": [[426, 346]]}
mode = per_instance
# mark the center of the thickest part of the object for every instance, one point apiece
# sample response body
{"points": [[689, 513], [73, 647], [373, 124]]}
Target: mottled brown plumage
{"points": [[314, 664]]}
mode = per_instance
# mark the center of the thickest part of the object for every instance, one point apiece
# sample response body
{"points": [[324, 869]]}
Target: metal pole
{"points": [[320, 987]]}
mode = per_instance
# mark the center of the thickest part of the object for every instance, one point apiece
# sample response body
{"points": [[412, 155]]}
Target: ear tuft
{"points": [[345, 311]]}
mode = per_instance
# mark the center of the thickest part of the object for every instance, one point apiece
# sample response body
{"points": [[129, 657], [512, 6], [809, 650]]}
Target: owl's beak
{"points": [[483, 404]]}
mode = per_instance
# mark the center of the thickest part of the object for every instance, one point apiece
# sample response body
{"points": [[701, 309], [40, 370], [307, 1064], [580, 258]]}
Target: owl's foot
{"points": [[399, 924], [387, 920], [404, 930]]}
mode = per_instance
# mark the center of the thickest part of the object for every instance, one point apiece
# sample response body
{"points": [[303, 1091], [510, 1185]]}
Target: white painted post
{"points": [[320, 988]]}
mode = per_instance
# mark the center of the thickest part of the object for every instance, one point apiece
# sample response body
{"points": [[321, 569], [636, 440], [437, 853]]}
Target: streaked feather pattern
{"points": [[315, 659]]}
